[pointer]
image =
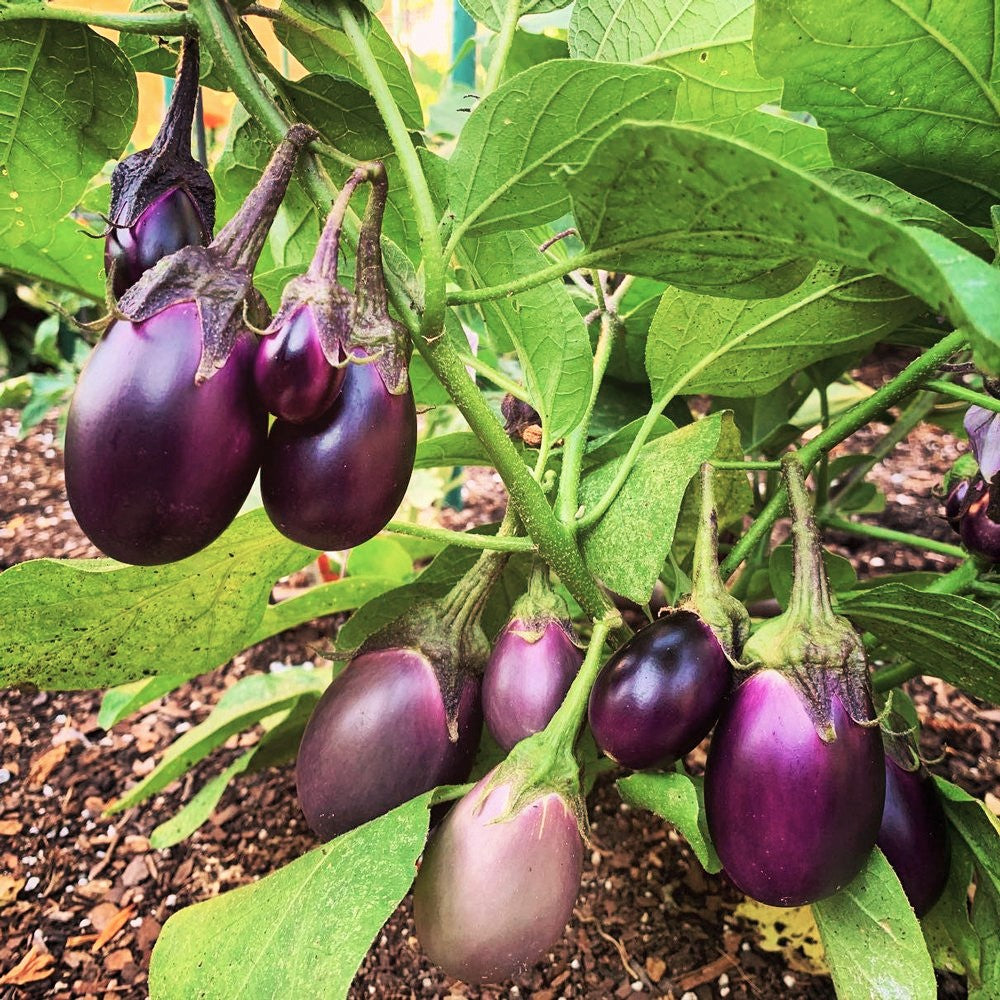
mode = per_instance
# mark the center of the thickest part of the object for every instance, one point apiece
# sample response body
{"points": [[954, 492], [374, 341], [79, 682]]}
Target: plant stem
{"points": [[505, 39], [576, 442], [960, 578], [432, 320], [167, 23], [465, 539], [522, 284], [905, 383], [500, 380], [722, 464], [889, 535], [961, 392]]}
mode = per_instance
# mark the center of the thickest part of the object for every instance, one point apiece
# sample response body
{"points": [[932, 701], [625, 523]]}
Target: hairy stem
{"points": [[166, 23], [504, 40], [465, 539], [961, 392], [889, 535]]}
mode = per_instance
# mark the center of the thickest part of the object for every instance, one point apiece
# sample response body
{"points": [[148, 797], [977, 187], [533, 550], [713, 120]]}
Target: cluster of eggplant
{"points": [[800, 782], [972, 506], [168, 426]]}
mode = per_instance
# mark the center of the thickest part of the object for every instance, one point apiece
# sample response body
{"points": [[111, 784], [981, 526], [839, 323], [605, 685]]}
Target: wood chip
{"points": [[10, 827], [112, 928], [705, 974], [117, 960], [38, 964], [43, 764], [9, 888], [77, 939], [655, 967]]}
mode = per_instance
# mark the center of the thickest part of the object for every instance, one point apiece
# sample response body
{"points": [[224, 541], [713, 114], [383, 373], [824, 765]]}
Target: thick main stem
{"points": [[167, 24]]}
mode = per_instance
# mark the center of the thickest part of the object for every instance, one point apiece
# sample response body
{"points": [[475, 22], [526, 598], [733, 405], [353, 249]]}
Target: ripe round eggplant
{"points": [[170, 222], [495, 891], [661, 693], [527, 678], [294, 379], [379, 736], [793, 818], [914, 834], [336, 482], [157, 464], [979, 532]]}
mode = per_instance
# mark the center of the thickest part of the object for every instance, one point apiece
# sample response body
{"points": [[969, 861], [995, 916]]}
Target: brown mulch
{"points": [[83, 896]]}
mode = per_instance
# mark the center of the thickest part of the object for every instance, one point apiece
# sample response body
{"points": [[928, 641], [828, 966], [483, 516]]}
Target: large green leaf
{"points": [[503, 173], [308, 923], [872, 939], [947, 928], [707, 44], [68, 255], [325, 50], [93, 623], [642, 517], [680, 800], [741, 217], [68, 103], [458, 448], [905, 89], [491, 12], [248, 701], [947, 636], [543, 324]]}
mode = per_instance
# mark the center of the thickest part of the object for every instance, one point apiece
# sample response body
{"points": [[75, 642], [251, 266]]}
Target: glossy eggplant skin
{"points": [[979, 532], [525, 682], [660, 694], [157, 466], [379, 736], [793, 818], [336, 482], [293, 377], [490, 897], [914, 834], [172, 221]]}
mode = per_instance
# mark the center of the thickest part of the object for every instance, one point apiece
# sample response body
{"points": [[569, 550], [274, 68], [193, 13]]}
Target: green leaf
{"points": [[947, 928], [68, 103], [94, 623], [642, 517], [491, 12], [248, 701], [527, 50], [67, 255], [458, 448], [119, 702], [839, 571], [382, 557], [310, 922], [905, 89], [679, 799], [326, 50], [543, 324], [742, 216], [503, 173], [324, 14], [947, 636], [872, 939]]}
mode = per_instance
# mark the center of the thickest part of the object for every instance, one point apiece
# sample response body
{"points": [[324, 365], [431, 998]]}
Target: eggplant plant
{"points": [[635, 274]]}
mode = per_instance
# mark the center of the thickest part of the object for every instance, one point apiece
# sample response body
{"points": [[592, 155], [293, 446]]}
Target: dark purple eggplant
{"points": [[914, 833], [980, 533], [660, 694], [379, 736], [334, 483], [157, 465], [162, 198], [302, 359], [793, 816], [494, 890], [795, 778], [532, 665], [165, 436], [956, 502]]}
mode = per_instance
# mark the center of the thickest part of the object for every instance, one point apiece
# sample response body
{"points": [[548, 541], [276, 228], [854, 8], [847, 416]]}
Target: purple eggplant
{"points": [[979, 531], [660, 694], [165, 435], [335, 483], [380, 735], [302, 359], [162, 199], [795, 777], [793, 816], [956, 503], [914, 834], [495, 890], [157, 465], [531, 668]]}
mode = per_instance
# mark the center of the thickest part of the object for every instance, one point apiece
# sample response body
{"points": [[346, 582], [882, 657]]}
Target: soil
{"points": [[84, 895]]}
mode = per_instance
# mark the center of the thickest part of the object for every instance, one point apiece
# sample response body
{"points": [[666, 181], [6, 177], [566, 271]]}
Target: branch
{"points": [[166, 23]]}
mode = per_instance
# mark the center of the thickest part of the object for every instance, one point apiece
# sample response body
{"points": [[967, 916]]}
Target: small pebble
{"points": [[636, 986], [788, 980], [724, 979], [32, 883]]}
